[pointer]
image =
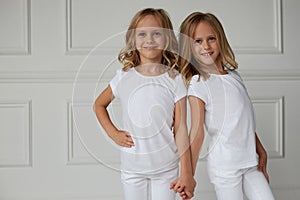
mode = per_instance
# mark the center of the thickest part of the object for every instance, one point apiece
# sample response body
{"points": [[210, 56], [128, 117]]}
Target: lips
{"points": [[207, 53], [150, 47]]}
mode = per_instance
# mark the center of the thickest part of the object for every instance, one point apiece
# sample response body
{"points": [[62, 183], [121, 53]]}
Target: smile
{"points": [[150, 47], [206, 54]]}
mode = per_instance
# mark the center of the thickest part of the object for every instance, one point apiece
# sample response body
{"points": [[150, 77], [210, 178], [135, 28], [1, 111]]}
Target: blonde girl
{"points": [[220, 103], [153, 97]]}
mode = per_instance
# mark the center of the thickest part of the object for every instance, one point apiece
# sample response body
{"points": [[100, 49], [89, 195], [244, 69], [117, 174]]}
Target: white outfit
{"points": [[234, 184], [147, 110], [230, 121], [150, 186]]}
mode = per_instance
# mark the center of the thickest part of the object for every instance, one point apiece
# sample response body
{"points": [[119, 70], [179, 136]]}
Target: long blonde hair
{"points": [[187, 61], [129, 56]]}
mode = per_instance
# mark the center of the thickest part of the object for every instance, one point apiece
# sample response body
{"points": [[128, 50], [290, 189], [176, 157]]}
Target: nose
{"points": [[149, 39], [205, 45]]}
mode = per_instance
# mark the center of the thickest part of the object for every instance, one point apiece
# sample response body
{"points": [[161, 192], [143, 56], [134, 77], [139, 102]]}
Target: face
{"points": [[150, 40], [205, 46]]}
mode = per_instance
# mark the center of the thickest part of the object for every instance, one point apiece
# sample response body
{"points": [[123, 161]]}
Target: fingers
{"points": [[128, 141], [183, 195], [266, 174], [186, 195], [176, 186], [173, 184], [262, 168], [267, 177], [189, 194], [123, 139]]}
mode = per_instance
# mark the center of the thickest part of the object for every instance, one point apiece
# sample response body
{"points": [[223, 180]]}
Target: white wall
{"points": [[44, 68]]}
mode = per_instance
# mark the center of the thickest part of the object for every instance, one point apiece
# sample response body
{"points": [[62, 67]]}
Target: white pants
{"points": [[149, 186], [234, 184]]}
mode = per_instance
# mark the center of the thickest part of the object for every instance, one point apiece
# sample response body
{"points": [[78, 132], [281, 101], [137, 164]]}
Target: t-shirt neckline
{"points": [[145, 76]]}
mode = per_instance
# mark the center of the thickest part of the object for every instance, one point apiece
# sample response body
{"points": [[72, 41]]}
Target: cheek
{"points": [[161, 41], [196, 48], [216, 46], [138, 42], [217, 51]]}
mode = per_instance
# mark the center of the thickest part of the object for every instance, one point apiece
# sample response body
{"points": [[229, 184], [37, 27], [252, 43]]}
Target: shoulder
{"points": [[178, 80], [196, 79], [236, 75], [175, 77], [121, 73]]}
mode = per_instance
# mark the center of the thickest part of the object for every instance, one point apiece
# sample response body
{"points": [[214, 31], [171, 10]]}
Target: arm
{"points": [[197, 129], [186, 181], [262, 163], [120, 137]]}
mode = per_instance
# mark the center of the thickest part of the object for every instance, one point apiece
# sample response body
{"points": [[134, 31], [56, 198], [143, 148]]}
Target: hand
{"points": [[179, 188], [184, 196], [262, 165], [122, 138], [184, 186]]}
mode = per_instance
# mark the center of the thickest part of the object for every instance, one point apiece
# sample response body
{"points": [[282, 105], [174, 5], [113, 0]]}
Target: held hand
{"points": [[262, 165], [122, 138], [184, 186], [175, 185]]}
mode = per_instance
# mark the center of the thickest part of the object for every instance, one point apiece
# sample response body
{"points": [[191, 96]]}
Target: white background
{"points": [[43, 44]]}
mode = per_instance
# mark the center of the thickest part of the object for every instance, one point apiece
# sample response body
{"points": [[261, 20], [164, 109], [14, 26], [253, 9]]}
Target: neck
{"points": [[217, 68], [151, 69]]}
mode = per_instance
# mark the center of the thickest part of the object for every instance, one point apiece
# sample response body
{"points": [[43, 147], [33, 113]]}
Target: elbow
{"points": [[96, 106], [99, 106]]}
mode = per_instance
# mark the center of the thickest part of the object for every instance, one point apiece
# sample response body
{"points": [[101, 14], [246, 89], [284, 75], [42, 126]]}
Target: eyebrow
{"points": [[205, 36], [147, 29]]}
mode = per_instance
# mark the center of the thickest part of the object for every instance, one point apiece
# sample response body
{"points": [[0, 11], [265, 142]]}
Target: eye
{"points": [[212, 39], [157, 33], [141, 34], [197, 41]]}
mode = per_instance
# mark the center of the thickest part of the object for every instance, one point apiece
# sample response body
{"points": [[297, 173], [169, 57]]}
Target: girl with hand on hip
{"points": [[220, 102], [153, 100]]}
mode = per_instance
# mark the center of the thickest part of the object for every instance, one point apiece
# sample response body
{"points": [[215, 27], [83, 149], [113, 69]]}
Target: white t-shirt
{"points": [[148, 108], [229, 120]]}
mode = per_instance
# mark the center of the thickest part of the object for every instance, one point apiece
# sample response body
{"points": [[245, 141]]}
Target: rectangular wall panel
{"points": [[257, 19], [269, 124], [87, 141], [15, 134], [15, 27]]}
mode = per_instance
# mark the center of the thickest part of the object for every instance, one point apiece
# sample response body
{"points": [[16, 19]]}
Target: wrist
{"points": [[186, 174], [112, 133], [262, 153]]}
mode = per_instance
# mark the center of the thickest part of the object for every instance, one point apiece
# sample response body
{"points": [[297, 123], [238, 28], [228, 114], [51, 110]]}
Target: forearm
{"points": [[182, 142], [196, 142], [260, 150], [104, 120]]}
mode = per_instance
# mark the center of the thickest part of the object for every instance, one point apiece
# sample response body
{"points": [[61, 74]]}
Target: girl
{"points": [[218, 99], [153, 98]]}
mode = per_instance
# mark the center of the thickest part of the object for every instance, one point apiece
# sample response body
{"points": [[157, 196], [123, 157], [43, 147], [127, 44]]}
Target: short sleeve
{"points": [[236, 75], [198, 89], [180, 90], [115, 81]]}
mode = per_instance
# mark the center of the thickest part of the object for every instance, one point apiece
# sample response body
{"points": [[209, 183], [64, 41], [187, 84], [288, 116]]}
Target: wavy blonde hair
{"points": [[129, 55], [187, 61]]}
